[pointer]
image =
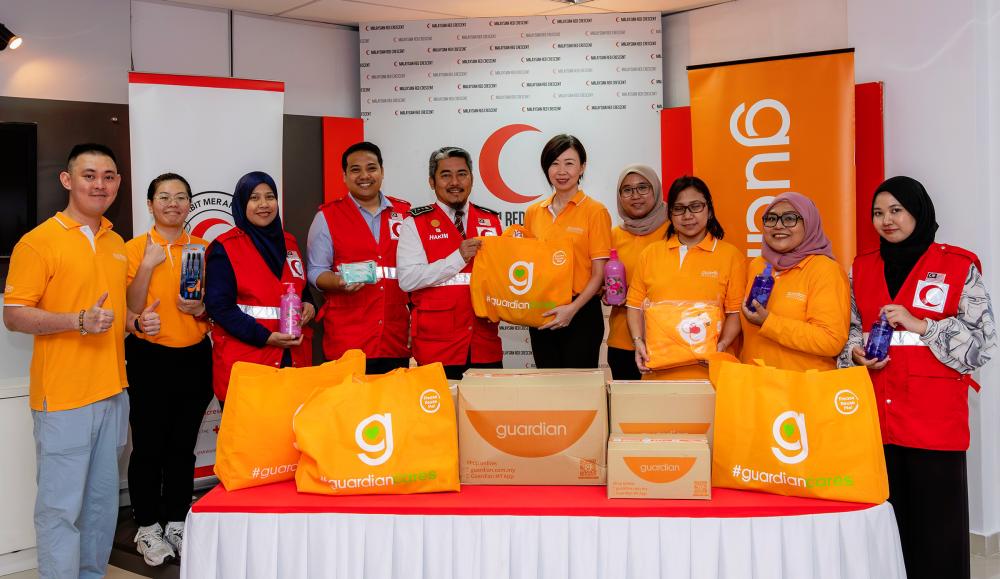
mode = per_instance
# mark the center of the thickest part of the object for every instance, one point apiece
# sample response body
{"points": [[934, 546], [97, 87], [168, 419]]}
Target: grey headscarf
{"points": [[657, 216]]}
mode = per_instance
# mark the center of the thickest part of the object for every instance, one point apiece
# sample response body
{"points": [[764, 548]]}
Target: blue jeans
{"points": [[76, 509]]}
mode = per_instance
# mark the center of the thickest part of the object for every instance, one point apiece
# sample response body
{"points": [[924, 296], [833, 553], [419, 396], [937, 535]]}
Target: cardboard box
{"points": [[659, 467], [533, 427], [662, 407]]}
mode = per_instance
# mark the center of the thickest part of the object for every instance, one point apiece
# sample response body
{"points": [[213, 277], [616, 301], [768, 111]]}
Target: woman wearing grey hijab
{"points": [[644, 220]]}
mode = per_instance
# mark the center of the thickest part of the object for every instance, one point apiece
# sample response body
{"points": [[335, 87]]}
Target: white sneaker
{"points": [[174, 534], [151, 545]]}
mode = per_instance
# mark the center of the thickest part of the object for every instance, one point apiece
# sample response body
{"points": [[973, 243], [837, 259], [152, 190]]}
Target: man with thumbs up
{"points": [[66, 286]]}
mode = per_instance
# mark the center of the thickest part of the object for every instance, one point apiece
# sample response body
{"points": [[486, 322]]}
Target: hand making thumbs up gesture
{"points": [[97, 319], [149, 320]]}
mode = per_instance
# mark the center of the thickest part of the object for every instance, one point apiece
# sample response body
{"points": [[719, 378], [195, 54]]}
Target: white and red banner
{"points": [[211, 131], [501, 88]]}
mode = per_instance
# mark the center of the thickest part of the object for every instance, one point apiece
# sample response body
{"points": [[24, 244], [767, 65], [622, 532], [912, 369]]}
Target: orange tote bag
{"points": [[516, 278], [389, 434], [255, 444], [807, 434]]}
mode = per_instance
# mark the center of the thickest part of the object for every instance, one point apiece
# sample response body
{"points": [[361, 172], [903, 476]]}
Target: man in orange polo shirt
{"points": [[66, 286]]}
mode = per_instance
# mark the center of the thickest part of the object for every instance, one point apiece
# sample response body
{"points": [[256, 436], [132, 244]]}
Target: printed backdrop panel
{"points": [[501, 88]]}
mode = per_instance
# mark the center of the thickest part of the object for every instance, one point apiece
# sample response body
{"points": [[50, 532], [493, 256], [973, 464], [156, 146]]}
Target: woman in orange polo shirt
{"points": [[806, 321], [169, 374], [572, 338], [692, 265], [644, 221]]}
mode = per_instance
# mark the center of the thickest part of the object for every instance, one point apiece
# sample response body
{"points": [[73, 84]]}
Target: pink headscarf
{"points": [[814, 243]]}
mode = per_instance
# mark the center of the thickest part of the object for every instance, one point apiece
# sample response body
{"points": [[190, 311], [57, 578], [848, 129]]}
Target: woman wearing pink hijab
{"points": [[806, 321]]}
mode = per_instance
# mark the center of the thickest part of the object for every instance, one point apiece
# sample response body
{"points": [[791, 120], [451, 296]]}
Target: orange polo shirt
{"points": [[585, 221], [56, 267], [629, 246], [809, 315], [177, 329], [712, 270]]}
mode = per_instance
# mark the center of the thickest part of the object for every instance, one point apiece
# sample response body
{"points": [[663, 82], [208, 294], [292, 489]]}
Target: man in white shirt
{"points": [[437, 245]]}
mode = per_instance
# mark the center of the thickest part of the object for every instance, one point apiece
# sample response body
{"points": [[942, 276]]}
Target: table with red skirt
{"points": [[538, 532]]}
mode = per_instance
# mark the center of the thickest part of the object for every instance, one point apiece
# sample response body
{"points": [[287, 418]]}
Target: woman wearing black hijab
{"points": [[249, 267], [933, 296]]}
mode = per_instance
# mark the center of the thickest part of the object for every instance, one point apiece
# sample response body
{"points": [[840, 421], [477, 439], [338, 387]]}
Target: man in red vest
{"points": [[437, 244], [359, 227]]}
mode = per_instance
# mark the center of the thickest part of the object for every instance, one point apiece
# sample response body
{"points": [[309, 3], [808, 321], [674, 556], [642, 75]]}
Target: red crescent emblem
{"points": [[489, 164], [203, 226], [927, 298]]}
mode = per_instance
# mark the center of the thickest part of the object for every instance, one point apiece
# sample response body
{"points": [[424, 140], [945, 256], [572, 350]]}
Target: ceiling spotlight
{"points": [[8, 39]]}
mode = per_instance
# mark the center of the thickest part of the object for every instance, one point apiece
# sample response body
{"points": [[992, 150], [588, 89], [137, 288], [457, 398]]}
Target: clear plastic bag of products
{"points": [[358, 272]]}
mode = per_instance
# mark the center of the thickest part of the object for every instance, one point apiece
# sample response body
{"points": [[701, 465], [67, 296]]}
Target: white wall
{"points": [[317, 62], [73, 50], [83, 50]]}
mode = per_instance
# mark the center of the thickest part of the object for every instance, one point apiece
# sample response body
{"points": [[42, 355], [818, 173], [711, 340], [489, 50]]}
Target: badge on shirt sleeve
{"points": [[931, 295], [395, 224], [295, 264]]}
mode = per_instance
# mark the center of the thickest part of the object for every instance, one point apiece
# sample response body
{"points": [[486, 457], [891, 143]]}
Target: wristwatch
{"points": [[636, 339], [135, 323], [83, 331]]}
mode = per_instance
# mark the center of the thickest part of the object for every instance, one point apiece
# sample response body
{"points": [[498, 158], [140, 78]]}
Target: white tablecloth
{"points": [[853, 545]]}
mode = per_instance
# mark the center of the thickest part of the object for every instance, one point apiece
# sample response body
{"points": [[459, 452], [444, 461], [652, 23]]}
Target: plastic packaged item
{"points": [[192, 271], [760, 291], [681, 332], [358, 272], [615, 288], [290, 312], [877, 347]]}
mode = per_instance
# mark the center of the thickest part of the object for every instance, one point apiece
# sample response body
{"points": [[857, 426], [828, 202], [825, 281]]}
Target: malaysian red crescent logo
{"points": [[489, 164], [202, 227], [931, 295]]}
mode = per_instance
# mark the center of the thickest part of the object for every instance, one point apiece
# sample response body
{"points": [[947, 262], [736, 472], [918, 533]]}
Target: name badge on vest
{"points": [[295, 264], [485, 231], [931, 294], [395, 223]]}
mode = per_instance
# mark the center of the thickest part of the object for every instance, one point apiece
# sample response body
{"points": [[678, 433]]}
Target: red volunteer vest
{"points": [[921, 402], [375, 318], [444, 325], [258, 294]]}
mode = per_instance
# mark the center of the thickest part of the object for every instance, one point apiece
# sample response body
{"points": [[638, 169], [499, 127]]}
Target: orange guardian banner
{"points": [[765, 126]]}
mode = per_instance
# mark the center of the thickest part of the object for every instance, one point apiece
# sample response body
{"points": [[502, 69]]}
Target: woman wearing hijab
{"points": [[644, 220], [934, 297], [805, 323], [692, 264], [247, 269]]}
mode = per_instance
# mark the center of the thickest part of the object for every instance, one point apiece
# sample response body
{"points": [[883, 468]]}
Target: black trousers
{"points": [[622, 364], [385, 365], [929, 492], [578, 345], [169, 389], [454, 372]]}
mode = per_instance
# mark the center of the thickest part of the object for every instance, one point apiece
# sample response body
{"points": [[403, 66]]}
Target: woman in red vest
{"points": [[249, 267], [934, 298]]}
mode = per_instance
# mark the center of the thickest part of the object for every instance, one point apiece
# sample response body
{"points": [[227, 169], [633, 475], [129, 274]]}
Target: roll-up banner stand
{"points": [[765, 126], [211, 131]]}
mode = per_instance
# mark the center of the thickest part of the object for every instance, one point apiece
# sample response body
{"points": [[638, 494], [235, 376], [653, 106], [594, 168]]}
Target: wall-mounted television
{"points": [[19, 184]]}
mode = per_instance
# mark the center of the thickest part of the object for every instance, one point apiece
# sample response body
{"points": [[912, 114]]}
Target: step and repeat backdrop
{"points": [[500, 88]]}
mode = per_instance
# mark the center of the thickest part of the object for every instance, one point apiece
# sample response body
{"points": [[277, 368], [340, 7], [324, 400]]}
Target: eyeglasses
{"points": [[696, 207], [789, 220], [640, 190], [165, 199]]}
